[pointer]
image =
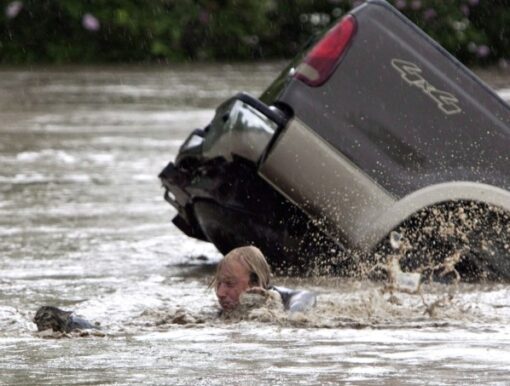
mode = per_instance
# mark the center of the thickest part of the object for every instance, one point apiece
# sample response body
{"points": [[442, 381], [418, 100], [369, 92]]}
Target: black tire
{"points": [[451, 240]]}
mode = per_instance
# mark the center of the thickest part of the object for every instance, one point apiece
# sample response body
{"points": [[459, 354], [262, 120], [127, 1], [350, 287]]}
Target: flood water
{"points": [[83, 226]]}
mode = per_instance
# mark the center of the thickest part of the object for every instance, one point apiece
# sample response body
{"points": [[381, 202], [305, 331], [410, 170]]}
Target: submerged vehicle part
{"points": [[220, 197], [375, 123]]}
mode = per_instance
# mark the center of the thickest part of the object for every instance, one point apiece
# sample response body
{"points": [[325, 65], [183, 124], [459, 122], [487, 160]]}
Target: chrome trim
{"points": [[238, 129]]}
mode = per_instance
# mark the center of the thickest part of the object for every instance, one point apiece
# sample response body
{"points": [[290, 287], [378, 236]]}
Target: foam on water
{"points": [[120, 121], [53, 155], [38, 178], [136, 141]]}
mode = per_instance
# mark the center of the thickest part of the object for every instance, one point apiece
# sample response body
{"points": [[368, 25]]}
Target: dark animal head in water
{"points": [[48, 317]]}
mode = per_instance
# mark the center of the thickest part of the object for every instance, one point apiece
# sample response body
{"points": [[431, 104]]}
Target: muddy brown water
{"points": [[83, 226]]}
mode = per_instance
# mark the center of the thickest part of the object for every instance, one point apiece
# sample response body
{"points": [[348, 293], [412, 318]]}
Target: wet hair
{"points": [[252, 258]]}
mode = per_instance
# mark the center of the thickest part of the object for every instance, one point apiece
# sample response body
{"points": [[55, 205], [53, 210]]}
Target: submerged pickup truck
{"points": [[374, 126]]}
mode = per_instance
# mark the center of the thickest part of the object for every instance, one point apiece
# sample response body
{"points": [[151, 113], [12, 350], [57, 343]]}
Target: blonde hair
{"points": [[252, 258]]}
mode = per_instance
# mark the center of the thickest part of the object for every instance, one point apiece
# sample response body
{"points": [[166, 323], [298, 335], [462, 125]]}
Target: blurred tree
{"points": [[476, 31]]}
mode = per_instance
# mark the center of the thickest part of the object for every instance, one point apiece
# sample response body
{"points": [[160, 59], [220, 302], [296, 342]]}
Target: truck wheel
{"points": [[453, 240]]}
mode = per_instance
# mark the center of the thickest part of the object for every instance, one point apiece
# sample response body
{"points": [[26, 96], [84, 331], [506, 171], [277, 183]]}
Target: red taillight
{"points": [[321, 61]]}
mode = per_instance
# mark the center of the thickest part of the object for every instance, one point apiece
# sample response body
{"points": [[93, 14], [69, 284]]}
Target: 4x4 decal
{"points": [[411, 73]]}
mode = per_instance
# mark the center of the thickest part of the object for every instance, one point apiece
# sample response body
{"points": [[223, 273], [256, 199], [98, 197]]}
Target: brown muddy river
{"points": [[83, 226]]}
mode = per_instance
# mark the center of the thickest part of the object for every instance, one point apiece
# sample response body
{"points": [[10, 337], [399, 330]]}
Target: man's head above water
{"points": [[241, 269]]}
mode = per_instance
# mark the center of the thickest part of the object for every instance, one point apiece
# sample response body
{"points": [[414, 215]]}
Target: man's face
{"points": [[233, 280]]}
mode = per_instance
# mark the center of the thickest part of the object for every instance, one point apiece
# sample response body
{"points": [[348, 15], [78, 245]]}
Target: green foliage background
{"points": [[78, 31]]}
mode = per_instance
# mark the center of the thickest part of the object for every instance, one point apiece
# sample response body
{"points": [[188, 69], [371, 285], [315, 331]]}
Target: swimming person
{"points": [[245, 269]]}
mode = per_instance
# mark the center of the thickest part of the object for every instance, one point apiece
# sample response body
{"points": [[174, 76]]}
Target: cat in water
{"points": [[48, 317]]}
